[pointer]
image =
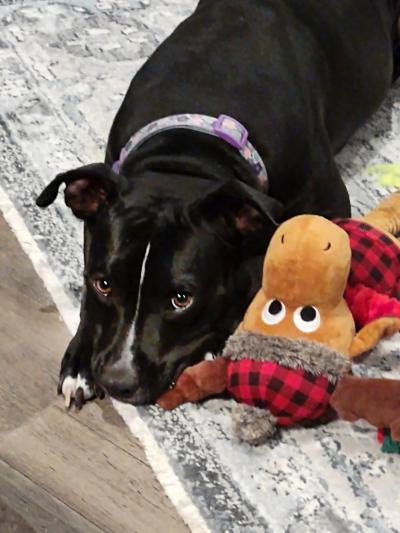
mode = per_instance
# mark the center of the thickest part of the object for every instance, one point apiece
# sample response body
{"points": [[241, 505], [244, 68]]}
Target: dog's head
{"points": [[170, 266]]}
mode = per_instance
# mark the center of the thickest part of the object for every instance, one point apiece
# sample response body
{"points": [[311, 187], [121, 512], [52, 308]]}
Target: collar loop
{"points": [[224, 127]]}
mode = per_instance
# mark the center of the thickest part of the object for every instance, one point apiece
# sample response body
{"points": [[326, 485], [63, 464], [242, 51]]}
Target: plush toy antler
{"points": [[375, 400], [196, 383]]}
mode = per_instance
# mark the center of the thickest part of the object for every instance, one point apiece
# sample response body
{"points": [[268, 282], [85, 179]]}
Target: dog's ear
{"points": [[234, 209], [87, 189]]}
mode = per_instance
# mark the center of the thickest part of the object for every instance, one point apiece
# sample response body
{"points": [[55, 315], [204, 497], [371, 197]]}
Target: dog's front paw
{"points": [[76, 389], [76, 380]]}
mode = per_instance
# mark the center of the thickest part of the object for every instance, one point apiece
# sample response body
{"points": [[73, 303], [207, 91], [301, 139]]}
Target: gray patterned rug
{"points": [[64, 69]]}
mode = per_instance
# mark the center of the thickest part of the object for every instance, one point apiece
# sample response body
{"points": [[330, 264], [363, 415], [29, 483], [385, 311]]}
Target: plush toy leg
{"points": [[253, 425], [196, 383], [372, 333], [395, 430], [386, 216]]}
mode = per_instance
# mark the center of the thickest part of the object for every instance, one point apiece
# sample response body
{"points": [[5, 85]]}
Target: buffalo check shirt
{"points": [[291, 395]]}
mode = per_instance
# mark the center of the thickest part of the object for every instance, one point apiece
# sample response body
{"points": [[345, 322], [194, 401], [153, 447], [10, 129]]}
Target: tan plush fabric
{"points": [[307, 264]]}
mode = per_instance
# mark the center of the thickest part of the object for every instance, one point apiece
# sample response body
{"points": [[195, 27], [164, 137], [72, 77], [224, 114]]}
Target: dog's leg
{"points": [[76, 381], [323, 191], [396, 49], [330, 193]]}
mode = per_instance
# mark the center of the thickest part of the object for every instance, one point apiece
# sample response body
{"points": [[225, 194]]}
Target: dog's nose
{"points": [[119, 381]]}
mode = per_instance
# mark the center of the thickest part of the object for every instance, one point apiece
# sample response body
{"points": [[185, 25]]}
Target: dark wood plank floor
{"points": [[61, 471]]}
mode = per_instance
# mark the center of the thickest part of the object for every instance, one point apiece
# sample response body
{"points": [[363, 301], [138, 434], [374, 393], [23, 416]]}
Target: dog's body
{"points": [[302, 76], [173, 245]]}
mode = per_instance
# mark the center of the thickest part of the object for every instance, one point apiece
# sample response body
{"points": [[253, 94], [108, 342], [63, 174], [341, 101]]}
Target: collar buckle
{"points": [[231, 131]]}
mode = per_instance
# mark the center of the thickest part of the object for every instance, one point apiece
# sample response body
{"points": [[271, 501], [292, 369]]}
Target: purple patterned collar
{"points": [[225, 127]]}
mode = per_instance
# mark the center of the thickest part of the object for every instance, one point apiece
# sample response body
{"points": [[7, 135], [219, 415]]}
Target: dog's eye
{"points": [[307, 319], [102, 286], [181, 301], [274, 312]]}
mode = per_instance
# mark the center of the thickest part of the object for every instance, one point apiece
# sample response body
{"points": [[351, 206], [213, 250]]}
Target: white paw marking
{"points": [[87, 390], [209, 356], [71, 385], [68, 389]]}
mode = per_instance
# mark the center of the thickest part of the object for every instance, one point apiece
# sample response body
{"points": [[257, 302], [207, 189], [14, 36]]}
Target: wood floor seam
{"points": [[53, 496]]}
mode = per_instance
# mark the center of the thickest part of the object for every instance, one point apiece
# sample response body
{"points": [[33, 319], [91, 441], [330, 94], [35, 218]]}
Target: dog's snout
{"points": [[119, 381]]}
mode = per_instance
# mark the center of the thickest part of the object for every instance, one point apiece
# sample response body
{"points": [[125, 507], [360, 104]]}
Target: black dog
{"points": [[174, 242]]}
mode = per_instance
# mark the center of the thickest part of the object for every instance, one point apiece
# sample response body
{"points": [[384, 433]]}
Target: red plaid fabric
{"points": [[367, 305], [375, 258], [293, 396]]}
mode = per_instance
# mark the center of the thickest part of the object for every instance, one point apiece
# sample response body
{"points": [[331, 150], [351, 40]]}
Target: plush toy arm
{"points": [[372, 333], [196, 383], [252, 424], [376, 400], [367, 305]]}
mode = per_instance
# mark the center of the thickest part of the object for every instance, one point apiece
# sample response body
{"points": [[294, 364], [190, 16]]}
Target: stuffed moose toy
{"points": [[329, 293]]}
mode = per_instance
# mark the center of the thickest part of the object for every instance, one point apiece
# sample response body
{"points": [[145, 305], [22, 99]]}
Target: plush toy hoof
{"points": [[253, 425], [390, 446]]}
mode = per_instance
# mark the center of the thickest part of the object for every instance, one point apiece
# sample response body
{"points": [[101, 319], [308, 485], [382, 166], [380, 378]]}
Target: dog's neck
{"points": [[190, 154]]}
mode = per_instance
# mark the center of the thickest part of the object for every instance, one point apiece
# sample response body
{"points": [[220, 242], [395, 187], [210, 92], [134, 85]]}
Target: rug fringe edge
{"points": [[162, 469]]}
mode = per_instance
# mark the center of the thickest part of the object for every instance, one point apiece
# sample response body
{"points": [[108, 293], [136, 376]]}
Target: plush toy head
{"points": [[305, 273]]}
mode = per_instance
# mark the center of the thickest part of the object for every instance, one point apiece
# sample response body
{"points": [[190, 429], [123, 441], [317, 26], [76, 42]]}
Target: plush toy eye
{"points": [[102, 286], [181, 301], [274, 311], [307, 319]]}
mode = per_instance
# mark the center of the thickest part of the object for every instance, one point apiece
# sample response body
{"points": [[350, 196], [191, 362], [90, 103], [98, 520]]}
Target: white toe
{"points": [[68, 389], [87, 390], [71, 385]]}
